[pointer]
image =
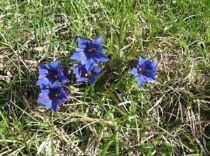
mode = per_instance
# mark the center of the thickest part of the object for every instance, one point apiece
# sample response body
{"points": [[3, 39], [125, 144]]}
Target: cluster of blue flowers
{"points": [[88, 54], [144, 71], [51, 81], [53, 78]]}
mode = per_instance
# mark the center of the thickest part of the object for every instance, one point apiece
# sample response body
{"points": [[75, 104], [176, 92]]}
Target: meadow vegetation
{"points": [[113, 116]]}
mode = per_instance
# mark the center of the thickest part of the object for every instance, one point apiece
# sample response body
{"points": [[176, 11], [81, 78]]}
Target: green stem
{"points": [[52, 134]]}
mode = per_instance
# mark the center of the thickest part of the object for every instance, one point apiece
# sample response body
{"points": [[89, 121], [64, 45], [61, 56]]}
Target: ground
{"points": [[112, 117]]}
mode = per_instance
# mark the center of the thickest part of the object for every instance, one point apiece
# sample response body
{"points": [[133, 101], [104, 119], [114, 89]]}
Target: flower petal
{"points": [[134, 71], [81, 42], [54, 65], [81, 80], [75, 68], [142, 60], [42, 70], [96, 69], [91, 79], [100, 56], [55, 105], [90, 62], [140, 80], [55, 85], [98, 41], [149, 77], [153, 65], [79, 56], [62, 77], [64, 94], [43, 81], [44, 92], [44, 100]]}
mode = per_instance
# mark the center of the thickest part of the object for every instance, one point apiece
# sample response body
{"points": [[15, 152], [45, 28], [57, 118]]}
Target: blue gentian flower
{"points": [[89, 52], [50, 73], [52, 97], [85, 74], [144, 71]]}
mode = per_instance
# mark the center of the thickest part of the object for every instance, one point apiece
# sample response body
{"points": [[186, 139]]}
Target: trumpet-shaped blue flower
{"points": [[89, 52], [144, 71], [50, 73], [52, 97], [85, 74]]}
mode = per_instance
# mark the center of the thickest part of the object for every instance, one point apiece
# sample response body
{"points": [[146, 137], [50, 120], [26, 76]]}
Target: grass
{"points": [[113, 117]]}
